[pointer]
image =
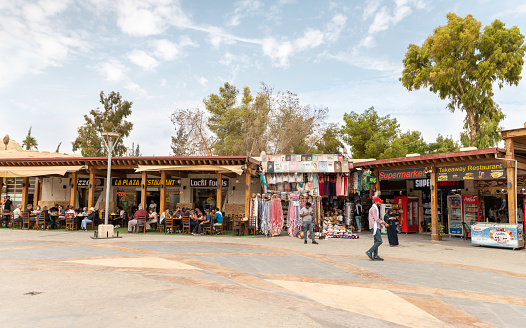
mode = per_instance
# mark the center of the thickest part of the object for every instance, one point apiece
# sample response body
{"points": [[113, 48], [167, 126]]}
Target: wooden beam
{"points": [[143, 189], [219, 191], [162, 202], [247, 193], [434, 204], [36, 195], [91, 191], [73, 195], [510, 176], [25, 192]]}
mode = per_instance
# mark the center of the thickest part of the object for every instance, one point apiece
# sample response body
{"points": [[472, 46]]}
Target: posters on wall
{"points": [[489, 171], [324, 163]]}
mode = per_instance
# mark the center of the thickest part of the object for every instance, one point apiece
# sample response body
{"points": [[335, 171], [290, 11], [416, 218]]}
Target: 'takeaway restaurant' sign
{"points": [[489, 171]]}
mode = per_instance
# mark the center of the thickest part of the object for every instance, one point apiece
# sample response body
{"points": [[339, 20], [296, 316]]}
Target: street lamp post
{"points": [[110, 139]]}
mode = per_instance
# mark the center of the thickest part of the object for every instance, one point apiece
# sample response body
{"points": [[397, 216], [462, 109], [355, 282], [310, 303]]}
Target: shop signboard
{"points": [[488, 171], [84, 182], [403, 174], [497, 234], [207, 183], [137, 182], [426, 184], [371, 179]]}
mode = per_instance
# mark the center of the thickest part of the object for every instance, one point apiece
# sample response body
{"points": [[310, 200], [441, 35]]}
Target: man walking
{"points": [[375, 224], [306, 214], [358, 216]]}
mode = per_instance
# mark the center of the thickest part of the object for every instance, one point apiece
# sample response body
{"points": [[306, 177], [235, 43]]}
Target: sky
{"points": [[56, 56]]}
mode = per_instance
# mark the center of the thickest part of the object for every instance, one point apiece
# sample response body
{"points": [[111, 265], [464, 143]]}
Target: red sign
{"points": [[403, 174]]}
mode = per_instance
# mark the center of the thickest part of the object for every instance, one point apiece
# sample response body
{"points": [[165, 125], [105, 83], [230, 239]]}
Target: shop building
{"points": [[452, 189], [204, 182]]}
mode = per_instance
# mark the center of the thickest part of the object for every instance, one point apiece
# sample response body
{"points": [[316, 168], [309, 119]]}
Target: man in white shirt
{"points": [[375, 224], [17, 213], [153, 206]]}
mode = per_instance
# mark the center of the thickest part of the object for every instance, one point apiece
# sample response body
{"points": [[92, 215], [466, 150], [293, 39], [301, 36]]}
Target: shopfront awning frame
{"points": [[238, 169], [33, 171]]}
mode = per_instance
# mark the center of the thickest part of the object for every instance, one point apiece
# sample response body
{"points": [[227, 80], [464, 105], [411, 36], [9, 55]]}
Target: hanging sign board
{"points": [[211, 183], [371, 179], [426, 184], [489, 171], [149, 182], [84, 182], [403, 174]]}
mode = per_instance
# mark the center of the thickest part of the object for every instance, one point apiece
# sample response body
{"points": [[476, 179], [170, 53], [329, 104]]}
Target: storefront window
{"points": [[15, 187]]}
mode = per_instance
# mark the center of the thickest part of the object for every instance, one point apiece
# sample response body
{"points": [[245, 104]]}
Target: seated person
{"points": [[88, 219], [152, 219], [218, 216], [71, 212], [17, 213], [116, 219], [164, 215], [61, 213], [178, 213], [29, 210], [54, 209], [133, 223], [198, 229], [193, 220]]}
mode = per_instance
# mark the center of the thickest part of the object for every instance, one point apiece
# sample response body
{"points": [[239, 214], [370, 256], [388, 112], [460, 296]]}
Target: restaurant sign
{"points": [[84, 182], [137, 182], [211, 183], [403, 174], [489, 171]]}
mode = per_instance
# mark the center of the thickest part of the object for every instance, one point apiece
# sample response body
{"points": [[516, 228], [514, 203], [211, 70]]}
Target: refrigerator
{"points": [[408, 213], [454, 210], [470, 210], [383, 210]]}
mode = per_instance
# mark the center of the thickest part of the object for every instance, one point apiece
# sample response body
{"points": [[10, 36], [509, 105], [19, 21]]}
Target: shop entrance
{"points": [[205, 198]]}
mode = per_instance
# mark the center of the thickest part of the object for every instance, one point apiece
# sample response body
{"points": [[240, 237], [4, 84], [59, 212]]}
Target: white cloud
{"points": [[367, 62], [134, 87], [112, 70], [165, 49], [387, 17], [310, 39], [163, 83], [203, 81], [243, 9], [142, 59], [335, 27], [33, 39]]}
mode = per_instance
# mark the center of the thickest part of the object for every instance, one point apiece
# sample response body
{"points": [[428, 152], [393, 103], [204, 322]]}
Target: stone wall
{"points": [[238, 209], [185, 205]]}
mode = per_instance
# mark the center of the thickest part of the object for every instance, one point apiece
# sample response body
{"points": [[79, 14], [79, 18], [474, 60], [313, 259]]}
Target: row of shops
{"points": [[430, 193]]}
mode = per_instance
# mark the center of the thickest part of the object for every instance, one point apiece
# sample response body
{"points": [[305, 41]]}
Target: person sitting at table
{"points": [[47, 217], [178, 213], [193, 220], [88, 219], [54, 208], [116, 219], [152, 219], [71, 211], [133, 223], [29, 210], [198, 229], [17, 213], [61, 213], [164, 215], [218, 216], [37, 210], [198, 212]]}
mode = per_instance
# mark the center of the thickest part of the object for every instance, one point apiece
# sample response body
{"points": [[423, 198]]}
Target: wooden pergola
{"points": [[229, 166]]}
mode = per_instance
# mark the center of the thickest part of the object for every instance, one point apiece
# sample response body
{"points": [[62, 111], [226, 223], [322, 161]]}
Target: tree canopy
{"points": [[372, 136], [461, 63], [30, 142], [110, 119], [247, 124]]}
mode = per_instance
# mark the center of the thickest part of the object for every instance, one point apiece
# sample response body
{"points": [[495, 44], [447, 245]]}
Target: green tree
{"points": [[191, 134], [443, 145], [368, 134], [461, 63], [330, 140], [110, 119], [30, 142]]}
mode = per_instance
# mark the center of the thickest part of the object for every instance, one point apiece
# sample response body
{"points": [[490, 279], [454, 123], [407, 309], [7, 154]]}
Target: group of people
{"points": [[376, 223], [198, 220]]}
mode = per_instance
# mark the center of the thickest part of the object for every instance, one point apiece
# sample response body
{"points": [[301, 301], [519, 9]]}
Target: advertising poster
{"points": [[293, 167], [490, 171], [315, 166], [337, 167], [288, 158], [330, 167], [270, 166], [501, 235], [323, 166], [277, 167], [307, 166], [315, 157], [285, 167]]}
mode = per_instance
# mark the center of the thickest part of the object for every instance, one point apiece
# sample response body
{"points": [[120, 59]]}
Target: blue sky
{"points": [[56, 57]]}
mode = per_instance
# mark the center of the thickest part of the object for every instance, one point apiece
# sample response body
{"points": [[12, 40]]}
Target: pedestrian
{"points": [[306, 214], [375, 224], [392, 235], [358, 216]]}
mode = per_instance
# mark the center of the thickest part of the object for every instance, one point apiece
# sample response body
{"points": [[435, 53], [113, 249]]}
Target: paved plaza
{"points": [[66, 279]]}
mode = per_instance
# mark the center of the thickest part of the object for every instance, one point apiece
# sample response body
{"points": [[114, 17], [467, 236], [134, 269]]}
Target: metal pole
{"points": [[109, 145]]}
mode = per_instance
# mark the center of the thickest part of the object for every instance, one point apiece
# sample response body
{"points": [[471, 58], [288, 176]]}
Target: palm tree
{"points": [[30, 142]]}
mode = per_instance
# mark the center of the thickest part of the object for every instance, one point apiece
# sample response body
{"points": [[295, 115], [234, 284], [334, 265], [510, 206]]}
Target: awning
{"points": [[216, 168], [33, 171]]}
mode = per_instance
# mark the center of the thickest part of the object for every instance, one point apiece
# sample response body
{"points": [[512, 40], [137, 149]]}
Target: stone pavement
{"points": [[66, 279]]}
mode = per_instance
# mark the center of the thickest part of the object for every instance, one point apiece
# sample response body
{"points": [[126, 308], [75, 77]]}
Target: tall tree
{"points": [[110, 119], [292, 127], [461, 63], [58, 147], [30, 142], [443, 145], [369, 135], [192, 136], [330, 140]]}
